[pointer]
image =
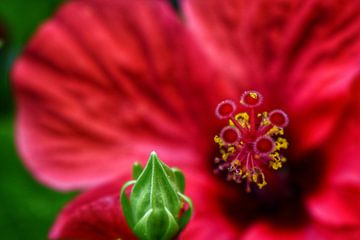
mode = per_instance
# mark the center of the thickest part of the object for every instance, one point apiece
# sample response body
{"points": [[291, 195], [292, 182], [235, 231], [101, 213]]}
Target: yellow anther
{"points": [[281, 143], [275, 131], [226, 153], [231, 149], [261, 185], [255, 177], [275, 165], [242, 118], [245, 174], [258, 177], [225, 156], [275, 156], [277, 160], [265, 120], [253, 95], [219, 141]]}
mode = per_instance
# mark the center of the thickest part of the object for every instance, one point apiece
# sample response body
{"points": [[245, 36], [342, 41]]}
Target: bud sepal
{"points": [[156, 208]]}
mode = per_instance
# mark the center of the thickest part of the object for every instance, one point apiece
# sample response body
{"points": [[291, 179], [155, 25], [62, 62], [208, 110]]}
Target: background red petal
{"points": [[303, 55], [267, 231], [209, 220], [337, 201], [104, 83]]}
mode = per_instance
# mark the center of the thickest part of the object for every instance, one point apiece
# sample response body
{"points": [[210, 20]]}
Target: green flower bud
{"points": [[155, 210]]}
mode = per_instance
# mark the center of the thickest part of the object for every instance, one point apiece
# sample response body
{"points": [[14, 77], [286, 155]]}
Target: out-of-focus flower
{"points": [[105, 82]]}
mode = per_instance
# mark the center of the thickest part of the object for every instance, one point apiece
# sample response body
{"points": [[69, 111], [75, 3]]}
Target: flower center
{"points": [[251, 140]]}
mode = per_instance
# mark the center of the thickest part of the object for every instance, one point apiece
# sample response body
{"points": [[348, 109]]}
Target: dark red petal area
{"points": [[105, 82], [95, 215], [211, 221], [303, 55]]}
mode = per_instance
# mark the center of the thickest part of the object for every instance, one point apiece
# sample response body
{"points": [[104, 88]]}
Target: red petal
{"points": [[95, 215], [215, 24], [100, 90], [266, 231], [305, 56], [337, 205], [337, 202], [209, 220]]}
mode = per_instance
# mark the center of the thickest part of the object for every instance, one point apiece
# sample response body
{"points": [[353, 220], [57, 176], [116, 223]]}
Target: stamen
{"points": [[251, 140]]}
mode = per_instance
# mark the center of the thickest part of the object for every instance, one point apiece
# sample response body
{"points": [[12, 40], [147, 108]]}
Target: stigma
{"points": [[250, 141]]}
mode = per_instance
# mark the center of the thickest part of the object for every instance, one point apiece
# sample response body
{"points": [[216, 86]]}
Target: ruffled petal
{"points": [[95, 215], [337, 201], [337, 205], [104, 83], [305, 55], [266, 231]]}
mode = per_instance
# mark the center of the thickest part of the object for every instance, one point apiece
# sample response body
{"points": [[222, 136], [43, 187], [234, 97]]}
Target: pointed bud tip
{"points": [[153, 154]]}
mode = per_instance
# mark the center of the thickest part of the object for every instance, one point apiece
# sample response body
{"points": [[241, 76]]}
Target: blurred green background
{"points": [[27, 209]]}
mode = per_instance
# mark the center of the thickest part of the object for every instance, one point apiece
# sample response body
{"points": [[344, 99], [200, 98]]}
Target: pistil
{"points": [[250, 141]]}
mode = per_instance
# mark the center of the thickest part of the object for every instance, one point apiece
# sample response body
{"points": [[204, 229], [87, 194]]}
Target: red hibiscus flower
{"points": [[105, 82]]}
